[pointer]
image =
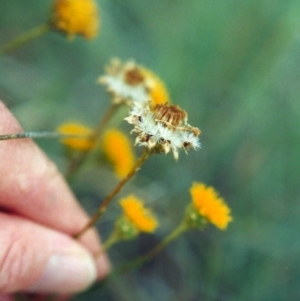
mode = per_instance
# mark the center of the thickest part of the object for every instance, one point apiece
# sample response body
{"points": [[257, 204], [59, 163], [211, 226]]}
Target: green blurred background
{"points": [[234, 66]]}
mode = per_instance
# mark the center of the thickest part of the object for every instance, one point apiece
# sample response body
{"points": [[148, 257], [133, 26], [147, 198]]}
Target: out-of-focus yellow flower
{"points": [[209, 205], [76, 17], [157, 89], [129, 82], [83, 143], [138, 215], [118, 150]]}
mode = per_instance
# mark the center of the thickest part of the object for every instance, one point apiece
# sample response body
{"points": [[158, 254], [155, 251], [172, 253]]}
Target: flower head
{"points": [[118, 150], [163, 128], [210, 205], [141, 217], [130, 82], [76, 17], [83, 143]]}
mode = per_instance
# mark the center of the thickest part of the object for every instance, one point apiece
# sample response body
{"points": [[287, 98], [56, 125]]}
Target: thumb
{"points": [[34, 258]]}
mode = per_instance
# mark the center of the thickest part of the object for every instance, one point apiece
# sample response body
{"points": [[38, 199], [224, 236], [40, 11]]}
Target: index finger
{"points": [[31, 185]]}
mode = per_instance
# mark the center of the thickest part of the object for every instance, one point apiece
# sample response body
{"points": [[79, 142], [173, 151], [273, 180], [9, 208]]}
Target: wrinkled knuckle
{"points": [[14, 262]]}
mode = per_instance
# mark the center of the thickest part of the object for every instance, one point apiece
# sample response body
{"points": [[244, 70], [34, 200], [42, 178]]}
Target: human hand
{"points": [[38, 216]]}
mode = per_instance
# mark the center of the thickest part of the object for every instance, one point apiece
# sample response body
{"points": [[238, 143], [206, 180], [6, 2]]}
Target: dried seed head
{"points": [[170, 115], [163, 128]]}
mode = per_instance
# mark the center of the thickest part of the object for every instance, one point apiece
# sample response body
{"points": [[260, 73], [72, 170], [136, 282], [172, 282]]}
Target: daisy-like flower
{"points": [[208, 204], [129, 82], [139, 216], [76, 17], [118, 150], [134, 220], [83, 143], [163, 128]]}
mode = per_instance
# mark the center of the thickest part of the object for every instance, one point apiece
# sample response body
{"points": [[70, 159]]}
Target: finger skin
{"points": [[32, 188], [6, 298], [26, 251], [31, 184]]}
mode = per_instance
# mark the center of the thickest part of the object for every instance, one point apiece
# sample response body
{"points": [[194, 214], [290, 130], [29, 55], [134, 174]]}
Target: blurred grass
{"points": [[234, 66]]}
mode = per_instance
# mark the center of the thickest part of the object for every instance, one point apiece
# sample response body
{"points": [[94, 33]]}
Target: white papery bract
{"points": [[130, 82], [163, 128], [125, 82]]}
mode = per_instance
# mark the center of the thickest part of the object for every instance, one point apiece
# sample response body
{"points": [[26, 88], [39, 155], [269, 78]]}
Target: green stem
{"points": [[113, 193], [106, 118], [157, 249], [109, 243], [77, 161], [24, 38], [183, 227], [38, 135]]}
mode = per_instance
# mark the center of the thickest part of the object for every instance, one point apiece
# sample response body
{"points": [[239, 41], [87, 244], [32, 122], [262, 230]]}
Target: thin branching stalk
{"points": [[24, 38], [113, 193], [76, 162], [152, 253], [38, 135], [30, 135], [139, 261], [108, 243]]}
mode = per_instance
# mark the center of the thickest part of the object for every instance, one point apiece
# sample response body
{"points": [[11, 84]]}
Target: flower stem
{"points": [[108, 243], [113, 193], [24, 38], [144, 258], [37, 135], [153, 252], [77, 161], [29, 135]]}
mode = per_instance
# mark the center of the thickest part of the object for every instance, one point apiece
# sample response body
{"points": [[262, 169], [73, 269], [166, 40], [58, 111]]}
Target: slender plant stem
{"points": [[29, 135], [144, 258], [108, 243], [106, 118], [37, 135], [113, 193], [76, 162], [24, 38], [153, 252]]}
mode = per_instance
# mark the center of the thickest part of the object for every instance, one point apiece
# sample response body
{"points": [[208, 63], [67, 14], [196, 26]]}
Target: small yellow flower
{"points": [[129, 82], [118, 150], [210, 205], [138, 215], [76, 17], [77, 143]]}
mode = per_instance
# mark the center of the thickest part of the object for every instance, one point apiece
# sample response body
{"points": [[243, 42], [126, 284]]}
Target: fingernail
{"points": [[66, 273]]}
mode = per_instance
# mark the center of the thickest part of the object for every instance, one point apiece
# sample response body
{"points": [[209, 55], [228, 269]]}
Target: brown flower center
{"points": [[134, 77], [171, 115]]}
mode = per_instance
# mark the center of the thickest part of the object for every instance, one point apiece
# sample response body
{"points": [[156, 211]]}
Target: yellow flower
{"points": [[129, 82], [118, 150], [156, 88], [138, 215], [212, 207], [76, 17], [81, 143]]}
